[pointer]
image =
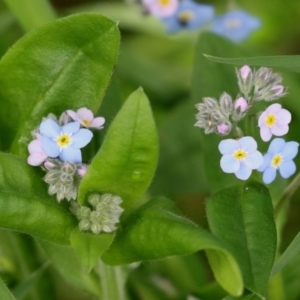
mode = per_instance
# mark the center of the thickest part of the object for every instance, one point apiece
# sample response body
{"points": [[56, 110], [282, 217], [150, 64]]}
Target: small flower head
{"points": [[240, 156], [86, 118], [274, 121], [226, 104], [280, 157], [64, 142], [189, 15], [241, 104], [236, 25], [160, 8], [224, 129], [245, 79], [37, 155]]}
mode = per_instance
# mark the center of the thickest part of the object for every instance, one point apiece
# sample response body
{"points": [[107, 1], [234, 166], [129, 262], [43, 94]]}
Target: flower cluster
{"points": [[235, 25], [240, 155], [57, 148]]}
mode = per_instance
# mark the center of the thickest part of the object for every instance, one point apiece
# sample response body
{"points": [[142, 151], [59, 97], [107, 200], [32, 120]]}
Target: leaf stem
{"points": [[288, 193]]}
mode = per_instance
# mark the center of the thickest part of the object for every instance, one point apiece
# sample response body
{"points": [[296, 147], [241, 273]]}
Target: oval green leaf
{"points": [[126, 162], [65, 64], [25, 205], [157, 230], [243, 218]]}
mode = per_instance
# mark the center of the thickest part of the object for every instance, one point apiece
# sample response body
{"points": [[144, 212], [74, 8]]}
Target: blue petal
{"points": [[290, 150], [229, 164], [254, 160], [243, 173], [71, 154], [50, 128], [81, 138], [50, 147], [276, 146], [71, 128], [269, 175], [228, 146], [248, 143], [266, 163], [287, 169]]}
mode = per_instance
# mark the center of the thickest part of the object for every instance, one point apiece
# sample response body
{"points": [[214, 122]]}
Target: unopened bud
{"points": [[245, 79], [241, 104], [226, 104], [48, 165], [223, 129], [245, 71], [279, 89], [82, 170]]}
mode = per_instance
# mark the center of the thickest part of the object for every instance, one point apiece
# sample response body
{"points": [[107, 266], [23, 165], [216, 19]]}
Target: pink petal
{"points": [[265, 133], [283, 117], [36, 159], [85, 114], [262, 118], [280, 130], [97, 122], [244, 71], [35, 146], [274, 108], [73, 115]]}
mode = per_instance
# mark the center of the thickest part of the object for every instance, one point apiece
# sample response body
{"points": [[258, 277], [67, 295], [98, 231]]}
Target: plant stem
{"points": [[288, 193], [112, 282], [31, 13]]}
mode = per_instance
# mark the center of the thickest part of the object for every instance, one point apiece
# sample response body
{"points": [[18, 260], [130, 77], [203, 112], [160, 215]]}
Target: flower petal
{"points": [[73, 115], [229, 164], [81, 138], [35, 146], [98, 122], [254, 160], [269, 175], [71, 128], [36, 159], [228, 146], [261, 119], [283, 117], [265, 133], [287, 168], [50, 128], [290, 150], [266, 163], [85, 114], [274, 108], [71, 154], [50, 147], [248, 143], [276, 146], [279, 130], [243, 173]]}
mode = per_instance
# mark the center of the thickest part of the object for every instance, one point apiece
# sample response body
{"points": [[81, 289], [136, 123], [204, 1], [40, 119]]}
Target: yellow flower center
{"points": [[270, 120], [87, 123], [185, 16], [234, 23], [164, 2], [63, 140], [240, 154], [276, 160]]}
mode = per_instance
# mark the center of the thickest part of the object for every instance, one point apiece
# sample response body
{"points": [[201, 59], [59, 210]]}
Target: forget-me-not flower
{"points": [[280, 157], [274, 120], [189, 15], [64, 142], [160, 8], [235, 25], [240, 156]]}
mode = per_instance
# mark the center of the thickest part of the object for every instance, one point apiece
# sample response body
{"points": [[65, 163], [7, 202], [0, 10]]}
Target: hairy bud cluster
{"points": [[102, 217], [63, 178]]}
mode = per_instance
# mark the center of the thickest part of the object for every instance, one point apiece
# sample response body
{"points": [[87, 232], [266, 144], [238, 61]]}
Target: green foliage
{"points": [[5, 293], [62, 65], [157, 230], [126, 162], [242, 217]]}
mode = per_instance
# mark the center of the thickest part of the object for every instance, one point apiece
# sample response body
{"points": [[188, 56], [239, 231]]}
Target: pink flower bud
{"points": [[278, 88], [244, 71], [223, 129], [241, 103], [48, 164], [82, 170]]}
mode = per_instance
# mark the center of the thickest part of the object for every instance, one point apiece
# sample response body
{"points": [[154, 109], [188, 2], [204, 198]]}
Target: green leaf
{"points": [[4, 292], [291, 251], [126, 162], [242, 217], [289, 62], [157, 230], [211, 80], [65, 64], [89, 247], [25, 205]]}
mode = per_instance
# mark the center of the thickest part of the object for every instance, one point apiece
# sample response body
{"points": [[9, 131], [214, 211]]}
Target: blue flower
{"points": [[240, 156], [189, 15], [280, 156], [64, 142], [236, 25]]}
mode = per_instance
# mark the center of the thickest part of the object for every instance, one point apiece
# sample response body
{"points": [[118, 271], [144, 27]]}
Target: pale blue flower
{"points": [[64, 142], [235, 25], [240, 156], [189, 15], [280, 156]]}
